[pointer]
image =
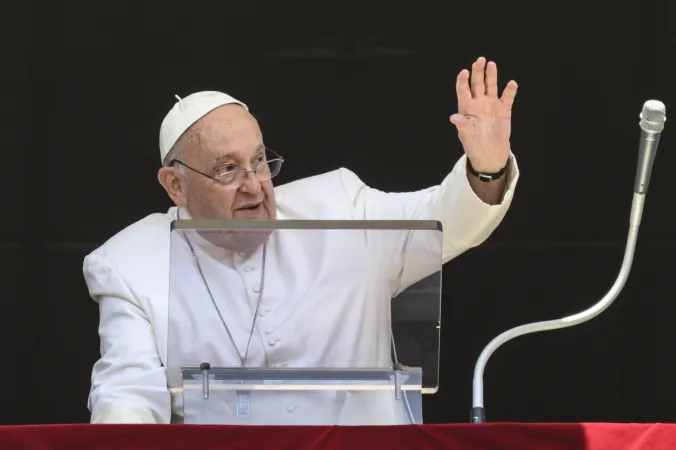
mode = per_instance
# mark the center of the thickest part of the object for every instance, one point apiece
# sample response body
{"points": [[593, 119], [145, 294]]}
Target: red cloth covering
{"points": [[493, 436]]}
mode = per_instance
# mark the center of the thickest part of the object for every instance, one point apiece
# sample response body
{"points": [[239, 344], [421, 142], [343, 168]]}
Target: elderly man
{"points": [[216, 166]]}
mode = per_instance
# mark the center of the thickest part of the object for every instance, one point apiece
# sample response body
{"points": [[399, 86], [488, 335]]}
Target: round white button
{"points": [[256, 288], [248, 269], [268, 331], [273, 342]]}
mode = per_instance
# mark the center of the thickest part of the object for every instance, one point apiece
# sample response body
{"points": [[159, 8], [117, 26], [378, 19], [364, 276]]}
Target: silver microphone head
{"points": [[653, 116]]}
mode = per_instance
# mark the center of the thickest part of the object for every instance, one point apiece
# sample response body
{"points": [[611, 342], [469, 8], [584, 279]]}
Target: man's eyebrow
{"points": [[223, 157], [218, 160]]}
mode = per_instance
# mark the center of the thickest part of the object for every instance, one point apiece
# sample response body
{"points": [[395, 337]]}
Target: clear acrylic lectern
{"points": [[299, 322]]}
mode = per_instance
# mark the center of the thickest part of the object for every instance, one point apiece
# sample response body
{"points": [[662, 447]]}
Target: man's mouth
{"points": [[250, 206]]}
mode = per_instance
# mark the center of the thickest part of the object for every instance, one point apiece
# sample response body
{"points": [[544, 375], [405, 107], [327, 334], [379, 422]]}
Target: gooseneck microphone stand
{"points": [[652, 121]]}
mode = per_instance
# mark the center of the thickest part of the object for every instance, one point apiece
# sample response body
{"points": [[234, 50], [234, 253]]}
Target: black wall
{"points": [[85, 86]]}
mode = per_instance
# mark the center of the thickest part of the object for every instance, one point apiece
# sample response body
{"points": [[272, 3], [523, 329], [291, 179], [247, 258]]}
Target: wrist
{"points": [[488, 172]]}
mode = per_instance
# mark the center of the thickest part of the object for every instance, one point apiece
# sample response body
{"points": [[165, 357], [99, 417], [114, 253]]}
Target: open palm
{"points": [[484, 119]]}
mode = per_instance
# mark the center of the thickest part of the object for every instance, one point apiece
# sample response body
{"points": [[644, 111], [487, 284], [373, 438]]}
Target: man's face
{"points": [[225, 139]]}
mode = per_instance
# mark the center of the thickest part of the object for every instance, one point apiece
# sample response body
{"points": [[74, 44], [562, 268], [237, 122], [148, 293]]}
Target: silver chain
{"points": [[258, 304]]}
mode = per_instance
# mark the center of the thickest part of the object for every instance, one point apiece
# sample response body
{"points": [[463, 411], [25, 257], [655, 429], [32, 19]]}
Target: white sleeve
{"points": [[129, 383], [466, 220]]}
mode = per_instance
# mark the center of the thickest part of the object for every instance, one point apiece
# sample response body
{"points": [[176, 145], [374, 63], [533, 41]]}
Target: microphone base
{"points": [[478, 415]]}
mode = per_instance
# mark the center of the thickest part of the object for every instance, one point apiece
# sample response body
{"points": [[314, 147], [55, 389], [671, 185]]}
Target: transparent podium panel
{"points": [[299, 322]]}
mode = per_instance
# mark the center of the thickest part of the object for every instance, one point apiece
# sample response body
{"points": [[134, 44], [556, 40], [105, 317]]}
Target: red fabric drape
{"points": [[493, 436]]}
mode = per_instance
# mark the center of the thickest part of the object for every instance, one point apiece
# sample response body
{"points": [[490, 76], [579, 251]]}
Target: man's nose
{"points": [[251, 183]]}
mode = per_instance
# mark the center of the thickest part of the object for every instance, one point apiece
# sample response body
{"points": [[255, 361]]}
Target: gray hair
{"points": [[175, 153]]}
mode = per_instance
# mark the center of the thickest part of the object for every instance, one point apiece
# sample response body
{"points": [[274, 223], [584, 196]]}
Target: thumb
{"points": [[460, 121]]}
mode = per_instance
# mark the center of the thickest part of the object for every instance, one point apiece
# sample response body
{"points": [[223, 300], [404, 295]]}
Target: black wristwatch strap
{"points": [[486, 177]]}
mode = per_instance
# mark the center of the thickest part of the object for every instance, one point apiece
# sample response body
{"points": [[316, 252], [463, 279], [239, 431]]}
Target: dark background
{"points": [[85, 86]]}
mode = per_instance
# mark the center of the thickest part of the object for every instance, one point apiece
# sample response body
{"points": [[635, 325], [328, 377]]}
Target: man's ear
{"points": [[172, 182]]}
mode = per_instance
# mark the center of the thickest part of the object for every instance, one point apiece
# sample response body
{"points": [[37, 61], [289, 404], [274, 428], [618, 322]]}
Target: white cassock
{"points": [[326, 302]]}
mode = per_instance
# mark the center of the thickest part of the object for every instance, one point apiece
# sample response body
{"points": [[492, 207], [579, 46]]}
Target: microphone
{"points": [[652, 122], [652, 117]]}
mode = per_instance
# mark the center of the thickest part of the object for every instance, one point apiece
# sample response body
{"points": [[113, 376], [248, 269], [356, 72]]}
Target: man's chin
{"points": [[241, 241]]}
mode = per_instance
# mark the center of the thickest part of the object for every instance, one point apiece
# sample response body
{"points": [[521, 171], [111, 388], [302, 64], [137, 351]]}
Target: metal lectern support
{"points": [[204, 368]]}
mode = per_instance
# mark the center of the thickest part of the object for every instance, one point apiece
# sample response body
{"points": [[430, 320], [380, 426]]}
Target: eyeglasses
{"points": [[234, 178]]}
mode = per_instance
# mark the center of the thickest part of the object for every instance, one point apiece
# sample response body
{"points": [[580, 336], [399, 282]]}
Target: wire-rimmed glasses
{"points": [[234, 178]]}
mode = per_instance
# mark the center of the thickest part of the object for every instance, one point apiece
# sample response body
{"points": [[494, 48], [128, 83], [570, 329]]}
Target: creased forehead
{"points": [[227, 123]]}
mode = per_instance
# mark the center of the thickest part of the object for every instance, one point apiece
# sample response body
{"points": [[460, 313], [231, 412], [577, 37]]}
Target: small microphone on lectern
{"points": [[652, 122]]}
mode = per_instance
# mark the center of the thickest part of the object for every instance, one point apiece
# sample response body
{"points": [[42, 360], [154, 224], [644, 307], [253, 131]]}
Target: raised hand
{"points": [[484, 119]]}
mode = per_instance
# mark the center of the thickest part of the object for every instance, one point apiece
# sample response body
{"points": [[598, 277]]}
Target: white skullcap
{"points": [[186, 112]]}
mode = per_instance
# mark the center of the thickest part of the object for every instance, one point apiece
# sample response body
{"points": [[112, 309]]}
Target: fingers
{"points": [[462, 88], [492, 79], [509, 93], [478, 84], [482, 81]]}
